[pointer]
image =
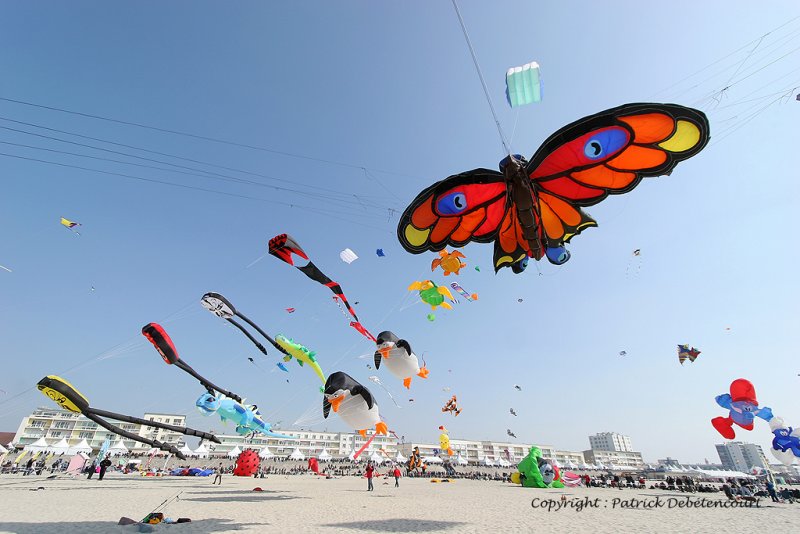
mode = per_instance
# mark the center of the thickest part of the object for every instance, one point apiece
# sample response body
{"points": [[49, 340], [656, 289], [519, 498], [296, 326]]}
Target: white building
{"points": [[631, 459], [54, 424], [476, 452], [738, 456], [309, 442], [610, 441]]}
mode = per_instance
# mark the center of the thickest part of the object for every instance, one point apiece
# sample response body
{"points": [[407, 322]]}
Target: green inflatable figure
{"points": [[536, 472]]}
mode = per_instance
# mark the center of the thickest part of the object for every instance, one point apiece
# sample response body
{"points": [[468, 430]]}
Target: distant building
{"points": [[308, 442], [478, 451], [670, 462], [54, 424], [630, 459], [739, 456], [610, 441]]}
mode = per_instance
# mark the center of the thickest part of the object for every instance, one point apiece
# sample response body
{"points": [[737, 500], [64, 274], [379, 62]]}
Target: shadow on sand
{"points": [[202, 525], [398, 525], [248, 497]]}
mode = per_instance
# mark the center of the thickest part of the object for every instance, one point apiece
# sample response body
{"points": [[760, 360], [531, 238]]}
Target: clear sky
{"points": [[390, 87]]}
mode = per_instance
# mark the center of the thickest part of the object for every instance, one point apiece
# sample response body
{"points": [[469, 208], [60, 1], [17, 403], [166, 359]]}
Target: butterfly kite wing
{"points": [[462, 208], [609, 153]]}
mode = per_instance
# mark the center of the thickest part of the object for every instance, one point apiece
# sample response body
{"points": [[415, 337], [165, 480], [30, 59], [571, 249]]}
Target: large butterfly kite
{"points": [[531, 209]]}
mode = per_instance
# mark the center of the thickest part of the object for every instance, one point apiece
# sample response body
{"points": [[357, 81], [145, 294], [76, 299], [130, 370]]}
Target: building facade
{"points": [[739, 456], [477, 451], [54, 424], [308, 442], [630, 459], [610, 441]]}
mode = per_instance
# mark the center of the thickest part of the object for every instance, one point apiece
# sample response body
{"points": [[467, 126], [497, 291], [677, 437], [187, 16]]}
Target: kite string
{"points": [[483, 81]]}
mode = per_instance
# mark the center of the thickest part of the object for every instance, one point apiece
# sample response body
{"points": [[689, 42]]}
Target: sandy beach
{"points": [[313, 504]]}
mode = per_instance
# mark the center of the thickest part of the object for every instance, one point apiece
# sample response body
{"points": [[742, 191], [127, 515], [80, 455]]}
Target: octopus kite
{"points": [[67, 397], [531, 209]]}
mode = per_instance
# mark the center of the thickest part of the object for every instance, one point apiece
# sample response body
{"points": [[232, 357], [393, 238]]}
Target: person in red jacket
{"points": [[396, 477], [370, 470]]}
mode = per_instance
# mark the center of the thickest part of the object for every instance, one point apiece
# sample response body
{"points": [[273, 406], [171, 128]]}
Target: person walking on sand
{"points": [[218, 476], [370, 471], [396, 477], [105, 464]]}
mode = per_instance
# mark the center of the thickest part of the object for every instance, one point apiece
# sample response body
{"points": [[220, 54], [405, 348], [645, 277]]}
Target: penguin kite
{"points": [[353, 402], [399, 358]]}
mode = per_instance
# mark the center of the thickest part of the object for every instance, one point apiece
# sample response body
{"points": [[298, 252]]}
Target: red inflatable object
{"points": [[246, 464]]}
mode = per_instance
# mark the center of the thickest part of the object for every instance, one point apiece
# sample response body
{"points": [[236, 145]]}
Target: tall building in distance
{"points": [[610, 441], [738, 456]]}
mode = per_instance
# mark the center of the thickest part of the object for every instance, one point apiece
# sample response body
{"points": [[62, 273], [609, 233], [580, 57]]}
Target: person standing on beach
{"points": [[105, 464], [92, 469], [218, 476], [370, 470], [396, 477]]}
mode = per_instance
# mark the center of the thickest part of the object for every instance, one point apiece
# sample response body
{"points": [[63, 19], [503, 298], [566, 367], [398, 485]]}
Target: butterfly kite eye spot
{"points": [[558, 255], [452, 204], [605, 143], [593, 149]]}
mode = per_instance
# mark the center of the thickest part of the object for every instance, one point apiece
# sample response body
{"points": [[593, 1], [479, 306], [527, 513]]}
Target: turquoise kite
{"points": [[523, 85]]}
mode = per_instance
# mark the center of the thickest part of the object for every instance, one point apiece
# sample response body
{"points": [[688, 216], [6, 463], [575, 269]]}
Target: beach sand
{"points": [[307, 503]]}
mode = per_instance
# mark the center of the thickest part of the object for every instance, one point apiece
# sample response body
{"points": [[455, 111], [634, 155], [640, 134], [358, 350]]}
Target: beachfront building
{"points": [[481, 452], [626, 459], [54, 424], [671, 462], [308, 442], [738, 456], [610, 441]]}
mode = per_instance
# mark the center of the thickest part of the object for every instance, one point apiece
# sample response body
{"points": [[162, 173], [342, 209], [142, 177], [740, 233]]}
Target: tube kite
{"points": [[283, 247], [222, 307], [532, 209], [229, 406], [463, 292], [67, 397]]}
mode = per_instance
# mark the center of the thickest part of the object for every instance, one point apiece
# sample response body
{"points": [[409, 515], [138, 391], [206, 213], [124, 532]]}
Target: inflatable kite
{"points": [[512, 412], [444, 441], [523, 85], [450, 262], [283, 247], [463, 292], [67, 397], [246, 464], [743, 406], [380, 253], [786, 441], [353, 402], [398, 357], [300, 353], [229, 406], [510, 433], [686, 353], [222, 307], [432, 294], [536, 472], [532, 209], [452, 406]]}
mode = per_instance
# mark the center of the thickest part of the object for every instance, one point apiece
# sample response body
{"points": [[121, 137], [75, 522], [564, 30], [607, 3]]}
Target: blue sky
{"points": [[391, 88]]}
